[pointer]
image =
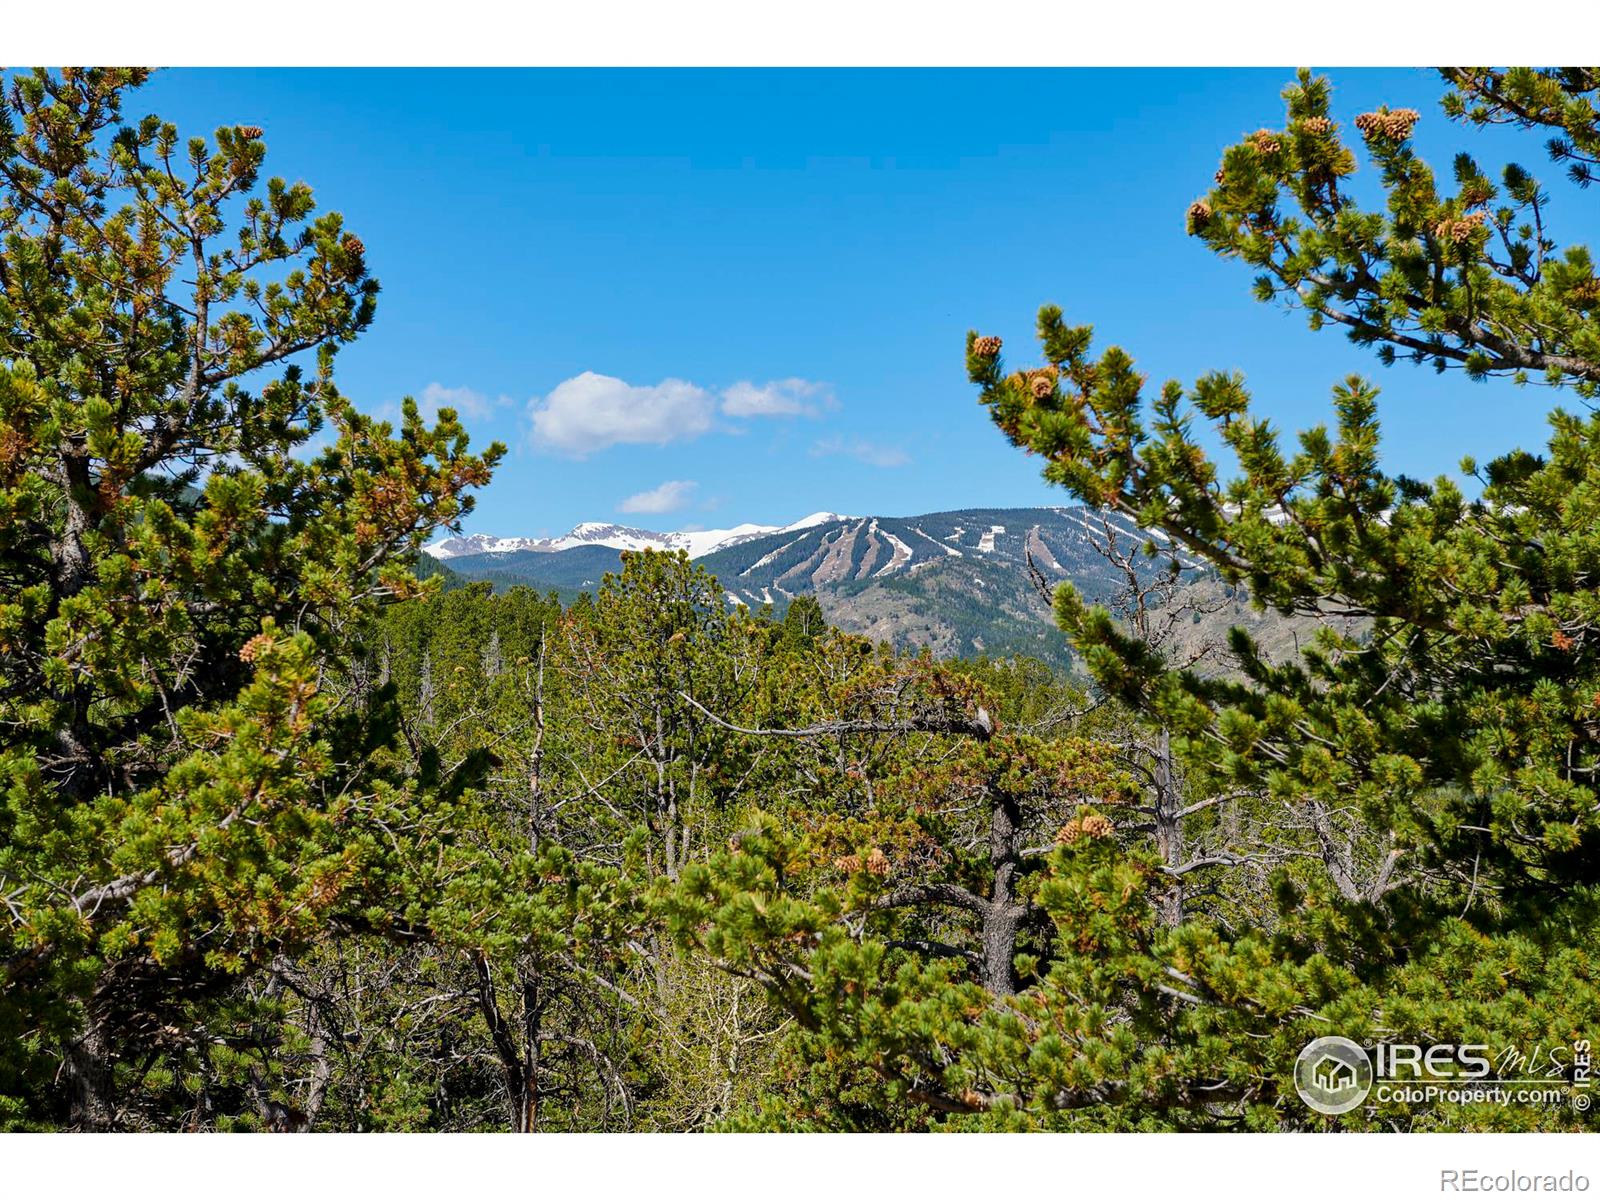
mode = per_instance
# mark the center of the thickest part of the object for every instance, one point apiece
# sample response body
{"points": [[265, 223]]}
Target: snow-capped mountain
{"points": [[961, 582], [697, 542]]}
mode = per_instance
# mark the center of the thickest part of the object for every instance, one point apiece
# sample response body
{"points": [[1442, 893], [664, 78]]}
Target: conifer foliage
{"points": [[1457, 719], [292, 839], [193, 520]]}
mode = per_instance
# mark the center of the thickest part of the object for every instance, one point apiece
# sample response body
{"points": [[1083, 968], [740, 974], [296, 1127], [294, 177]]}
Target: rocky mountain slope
{"points": [[957, 582]]}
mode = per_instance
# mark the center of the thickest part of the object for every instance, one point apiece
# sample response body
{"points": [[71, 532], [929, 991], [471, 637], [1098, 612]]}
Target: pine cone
{"points": [[877, 862], [354, 246], [986, 347], [1317, 125], [1266, 142], [1582, 295], [250, 132], [12, 446], [1087, 825], [1459, 229], [1395, 125], [1096, 826], [1199, 214], [253, 649]]}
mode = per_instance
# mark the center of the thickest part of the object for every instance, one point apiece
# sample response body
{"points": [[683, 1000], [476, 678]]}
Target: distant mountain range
{"points": [[956, 582], [697, 542]]}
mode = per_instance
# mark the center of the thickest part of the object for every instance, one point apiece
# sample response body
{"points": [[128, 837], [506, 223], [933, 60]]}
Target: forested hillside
{"points": [[966, 584]]}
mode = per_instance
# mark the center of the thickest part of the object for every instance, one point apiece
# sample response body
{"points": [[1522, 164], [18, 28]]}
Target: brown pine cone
{"points": [[1459, 229], [1395, 125], [1096, 826]]}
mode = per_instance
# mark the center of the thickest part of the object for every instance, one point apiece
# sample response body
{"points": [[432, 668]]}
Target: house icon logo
{"points": [[1333, 1075]]}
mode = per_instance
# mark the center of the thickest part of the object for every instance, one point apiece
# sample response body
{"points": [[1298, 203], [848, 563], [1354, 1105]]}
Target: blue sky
{"points": [[694, 298]]}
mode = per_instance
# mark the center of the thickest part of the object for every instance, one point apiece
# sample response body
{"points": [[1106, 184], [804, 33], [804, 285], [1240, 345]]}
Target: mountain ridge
{"points": [[957, 581], [962, 582], [696, 542]]}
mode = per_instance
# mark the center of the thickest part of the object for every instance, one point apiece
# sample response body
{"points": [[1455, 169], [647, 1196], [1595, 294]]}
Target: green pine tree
{"points": [[182, 562], [1456, 719]]}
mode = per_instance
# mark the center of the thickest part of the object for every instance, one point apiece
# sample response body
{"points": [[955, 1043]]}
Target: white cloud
{"points": [[465, 401], [777, 398], [871, 453], [669, 497], [590, 412]]}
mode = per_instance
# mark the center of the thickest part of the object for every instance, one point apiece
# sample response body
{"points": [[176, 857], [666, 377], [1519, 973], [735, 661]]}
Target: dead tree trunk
{"points": [[92, 1106], [1002, 916], [519, 1070], [1169, 828]]}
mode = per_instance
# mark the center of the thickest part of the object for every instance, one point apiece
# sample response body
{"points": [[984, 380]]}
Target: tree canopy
{"points": [[192, 521], [298, 832]]}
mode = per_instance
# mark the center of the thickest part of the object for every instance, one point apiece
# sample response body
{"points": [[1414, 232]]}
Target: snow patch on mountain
{"points": [[902, 554], [950, 550], [768, 557], [481, 543], [816, 518], [697, 543]]}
